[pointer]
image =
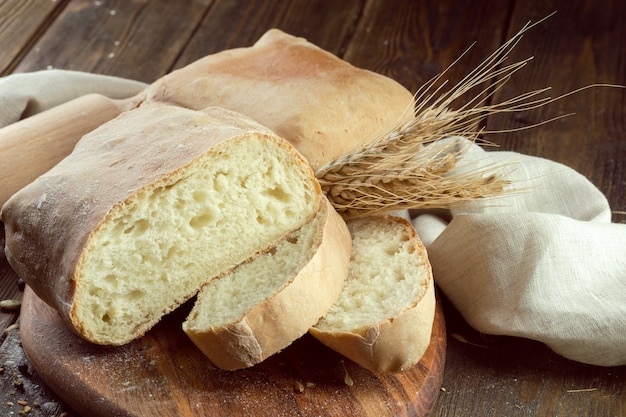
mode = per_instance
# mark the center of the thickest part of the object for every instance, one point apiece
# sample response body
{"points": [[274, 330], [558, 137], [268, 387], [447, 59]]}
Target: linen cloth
{"points": [[542, 262], [25, 94]]}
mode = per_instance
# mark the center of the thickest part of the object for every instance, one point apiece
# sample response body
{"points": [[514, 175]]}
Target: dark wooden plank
{"points": [[513, 377], [412, 42], [21, 386], [132, 39], [580, 45], [232, 24], [21, 22]]}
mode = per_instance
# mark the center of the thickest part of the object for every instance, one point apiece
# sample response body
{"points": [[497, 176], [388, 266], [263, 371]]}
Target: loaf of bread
{"points": [[148, 208], [262, 306], [320, 103], [384, 316]]}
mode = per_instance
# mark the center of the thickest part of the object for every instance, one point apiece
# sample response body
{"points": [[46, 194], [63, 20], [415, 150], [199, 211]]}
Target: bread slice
{"points": [[320, 103], [383, 319], [262, 306], [148, 208]]}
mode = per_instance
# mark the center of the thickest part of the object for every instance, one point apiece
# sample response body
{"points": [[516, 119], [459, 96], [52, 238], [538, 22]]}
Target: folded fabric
{"points": [[24, 94], [542, 262]]}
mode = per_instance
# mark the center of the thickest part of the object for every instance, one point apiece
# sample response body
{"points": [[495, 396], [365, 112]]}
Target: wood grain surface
{"points": [[164, 374], [411, 41]]}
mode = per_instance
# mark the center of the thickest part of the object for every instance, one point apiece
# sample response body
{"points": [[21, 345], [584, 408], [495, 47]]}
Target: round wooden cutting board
{"points": [[164, 374]]}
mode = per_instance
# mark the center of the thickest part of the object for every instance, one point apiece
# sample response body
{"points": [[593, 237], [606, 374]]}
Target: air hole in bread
{"points": [[278, 193], [173, 251], [201, 220], [199, 196], [136, 294], [111, 280]]}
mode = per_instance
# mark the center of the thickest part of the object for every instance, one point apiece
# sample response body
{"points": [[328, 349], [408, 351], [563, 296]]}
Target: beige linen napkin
{"points": [[543, 263]]}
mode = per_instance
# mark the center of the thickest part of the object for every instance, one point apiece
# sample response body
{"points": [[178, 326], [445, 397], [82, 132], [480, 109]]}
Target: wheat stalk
{"points": [[409, 166]]}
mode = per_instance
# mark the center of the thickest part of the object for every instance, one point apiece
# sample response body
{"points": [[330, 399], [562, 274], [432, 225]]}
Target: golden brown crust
{"points": [[395, 345], [288, 314], [321, 104]]}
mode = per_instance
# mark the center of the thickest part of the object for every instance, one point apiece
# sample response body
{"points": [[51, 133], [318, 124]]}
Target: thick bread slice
{"points": [[149, 207], [384, 316], [321, 104], [262, 306]]}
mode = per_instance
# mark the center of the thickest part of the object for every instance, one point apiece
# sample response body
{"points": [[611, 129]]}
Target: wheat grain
{"points": [[410, 166]]}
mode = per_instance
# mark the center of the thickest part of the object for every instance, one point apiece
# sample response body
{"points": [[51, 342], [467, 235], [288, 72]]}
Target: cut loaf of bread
{"points": [[262, 306], [320, 103], [384, 316], [148, 208]]}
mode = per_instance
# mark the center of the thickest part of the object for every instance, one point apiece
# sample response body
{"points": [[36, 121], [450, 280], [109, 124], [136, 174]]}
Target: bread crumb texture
{"points": [[167, 240], [387, 276], [227, 299]]}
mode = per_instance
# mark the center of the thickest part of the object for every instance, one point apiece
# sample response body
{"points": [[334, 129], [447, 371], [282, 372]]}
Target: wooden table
{"points": [[410, 41]]}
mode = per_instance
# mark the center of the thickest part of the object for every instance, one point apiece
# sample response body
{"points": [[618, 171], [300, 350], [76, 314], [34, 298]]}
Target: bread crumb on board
{"points": [[298, 386], [10, 304]]}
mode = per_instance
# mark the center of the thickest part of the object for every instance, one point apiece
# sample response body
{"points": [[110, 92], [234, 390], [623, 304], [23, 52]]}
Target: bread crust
{"points": [[394, 344], [285, 316], [323, 105], [49, 222]]}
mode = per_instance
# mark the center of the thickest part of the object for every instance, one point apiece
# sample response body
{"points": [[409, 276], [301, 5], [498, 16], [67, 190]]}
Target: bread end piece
{"points": [[384, 317], [264, 305]]}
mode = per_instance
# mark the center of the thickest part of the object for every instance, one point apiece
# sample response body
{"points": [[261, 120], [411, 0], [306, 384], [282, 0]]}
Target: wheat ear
{"points": [[409, 167]]}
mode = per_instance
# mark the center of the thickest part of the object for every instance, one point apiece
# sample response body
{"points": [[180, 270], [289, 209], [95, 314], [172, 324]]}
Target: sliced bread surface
{"points": [[265, 304], [148, 208], [384, 316]]}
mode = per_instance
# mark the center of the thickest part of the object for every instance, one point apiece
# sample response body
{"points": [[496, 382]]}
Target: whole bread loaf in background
{"points": [[148, 208], [320, 103]]}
